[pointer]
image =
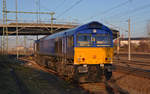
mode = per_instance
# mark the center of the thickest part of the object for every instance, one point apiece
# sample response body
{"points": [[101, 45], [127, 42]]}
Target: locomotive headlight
{"points": [[94, 31], [79, 59], [109, 58]]}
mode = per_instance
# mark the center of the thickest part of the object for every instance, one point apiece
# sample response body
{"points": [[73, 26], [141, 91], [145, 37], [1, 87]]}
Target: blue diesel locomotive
{"points": [[86, 49]]}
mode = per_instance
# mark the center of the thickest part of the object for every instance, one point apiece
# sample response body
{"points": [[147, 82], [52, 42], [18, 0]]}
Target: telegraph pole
{"points": [[52, 13], [38, 10], [129, 41], [1, 43], [3, 36], [6, 35], [118, 44], [25, 45], [5, 30], [17, 30]]}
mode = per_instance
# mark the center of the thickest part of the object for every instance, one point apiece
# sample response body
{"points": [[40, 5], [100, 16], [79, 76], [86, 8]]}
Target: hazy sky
{"points": [[109, 12]]}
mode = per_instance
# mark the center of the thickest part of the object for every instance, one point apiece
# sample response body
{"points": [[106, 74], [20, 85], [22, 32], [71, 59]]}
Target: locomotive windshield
{"points": [[102, 39], [84, 40], [89, 40]]}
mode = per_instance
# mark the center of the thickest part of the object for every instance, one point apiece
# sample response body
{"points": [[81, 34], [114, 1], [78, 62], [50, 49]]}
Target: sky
{"points": [[112, 13]]}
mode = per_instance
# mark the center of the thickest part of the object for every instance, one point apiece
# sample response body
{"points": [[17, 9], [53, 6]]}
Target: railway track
{"points": [[133, 62], [118, 68], [103, 87], [134, 71]]}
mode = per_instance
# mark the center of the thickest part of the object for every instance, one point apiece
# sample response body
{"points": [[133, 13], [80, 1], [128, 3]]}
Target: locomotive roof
{"points": [[91, 25]]}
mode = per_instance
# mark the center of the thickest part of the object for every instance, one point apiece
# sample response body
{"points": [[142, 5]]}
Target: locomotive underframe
{"points": [[65, 67]]}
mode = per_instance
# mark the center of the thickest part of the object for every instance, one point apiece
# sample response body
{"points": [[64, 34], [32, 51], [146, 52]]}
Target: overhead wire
{"points": [[59, 5], [138, 17], [132, 11], [115, 26], [110, 9], [54, 9], [137, 9], [71, 7], [141, 21]]}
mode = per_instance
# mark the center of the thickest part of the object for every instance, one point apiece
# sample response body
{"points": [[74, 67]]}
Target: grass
{"points": [[34, 81], [31, 78], [40, 82], [7, 83]]}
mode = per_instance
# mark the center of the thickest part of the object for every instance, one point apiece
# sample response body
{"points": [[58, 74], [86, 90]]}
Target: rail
{"points": [[134, 71]]}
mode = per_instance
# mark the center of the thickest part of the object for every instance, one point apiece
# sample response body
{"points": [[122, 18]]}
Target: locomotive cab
{"points": [[93, 49]]}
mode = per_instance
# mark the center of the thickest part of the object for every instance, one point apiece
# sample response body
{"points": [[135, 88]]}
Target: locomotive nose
{"points": [[92, 55]]}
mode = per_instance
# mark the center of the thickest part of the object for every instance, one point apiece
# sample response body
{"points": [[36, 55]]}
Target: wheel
{"points": [[95, 73], [99, 73], [75, 75], [59, 68], [107, 74], [69, 69], [46, 64], [92, 73]]}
